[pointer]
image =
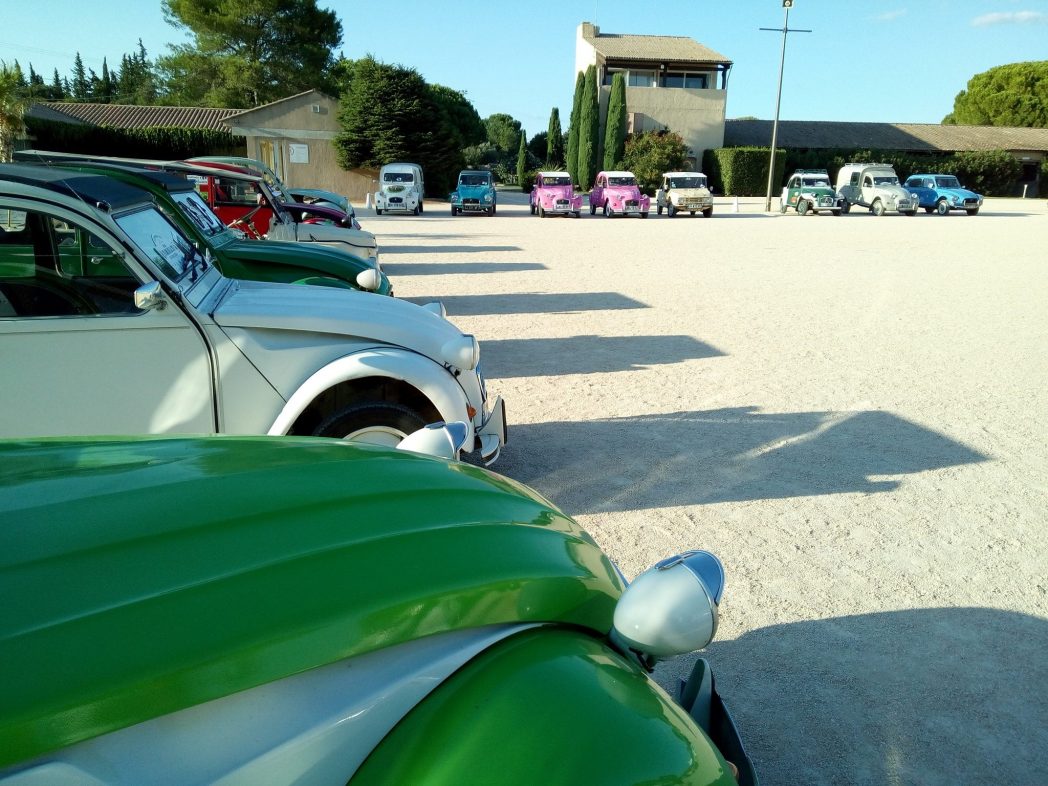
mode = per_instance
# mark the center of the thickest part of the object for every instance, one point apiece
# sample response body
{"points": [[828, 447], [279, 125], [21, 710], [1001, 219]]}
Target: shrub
{"points": [[154, 142], [528, 181], [650, 154], [989, 172], [743, 171]]}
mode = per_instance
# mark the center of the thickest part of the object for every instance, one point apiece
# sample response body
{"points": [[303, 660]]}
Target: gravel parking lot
{"points": [[852, 412]]}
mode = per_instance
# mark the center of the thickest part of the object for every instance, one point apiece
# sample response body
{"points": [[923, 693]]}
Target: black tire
{"points": [[542, 212], [593, 209], [929, 210], [421, 208], [577, 214], [909, 212], [658, 209], [531, 207], [493, 207], [374, 422], [671, 210], [803, 207], [877, 208], [378, 211], [782, 206], [692, 214], [942, 207], [707, 212], [845, 208], [972, 211], [416, 211], [608, 212], [454, 211], [644, 214]]}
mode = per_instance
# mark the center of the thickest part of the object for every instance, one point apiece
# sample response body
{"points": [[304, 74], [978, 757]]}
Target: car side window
{"points": [[855, 179], [929, 183], [51, 267], [867, 182]]}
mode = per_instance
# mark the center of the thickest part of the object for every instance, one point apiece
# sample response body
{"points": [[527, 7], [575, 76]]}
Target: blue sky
{"points": [[890, 60]]}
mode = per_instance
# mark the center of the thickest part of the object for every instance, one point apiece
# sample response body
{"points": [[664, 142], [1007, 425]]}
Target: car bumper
{"points": [[562, 207], [473, 207], [701, 204], [699, 697], [493, 432]]}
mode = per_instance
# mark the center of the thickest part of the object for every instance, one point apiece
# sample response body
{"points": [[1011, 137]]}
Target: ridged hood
{"points": [[142, 576]]}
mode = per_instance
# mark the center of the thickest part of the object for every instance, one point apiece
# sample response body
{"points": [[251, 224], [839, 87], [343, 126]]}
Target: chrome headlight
{"points": [[462, 352], [487, 197]]}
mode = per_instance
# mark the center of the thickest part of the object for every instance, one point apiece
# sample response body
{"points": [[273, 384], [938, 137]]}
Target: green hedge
{"points": [[155, 142], [742, 171]]}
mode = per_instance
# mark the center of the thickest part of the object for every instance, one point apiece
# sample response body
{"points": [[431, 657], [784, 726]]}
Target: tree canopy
{"points": [[554, 140], [589, 131], [650, 154], [615, 124], [1008, 95], [248, 52], [503, 131], [13, 105]]}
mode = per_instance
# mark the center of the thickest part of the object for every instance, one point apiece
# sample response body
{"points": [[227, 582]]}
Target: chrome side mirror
{"points": [[444, 440], [150, 296]]}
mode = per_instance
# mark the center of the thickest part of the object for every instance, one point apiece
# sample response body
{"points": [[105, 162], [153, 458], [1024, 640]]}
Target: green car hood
{"points": [[319, 260], [141, 576]]}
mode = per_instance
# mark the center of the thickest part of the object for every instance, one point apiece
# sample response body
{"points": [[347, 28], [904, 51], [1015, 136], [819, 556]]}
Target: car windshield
{"points": [[816, 182], [687, 182], [197, 211], [556, 180], [947, 182], [622, 181], [161, 241], [473, 180], [398, 177], [885, 180]]}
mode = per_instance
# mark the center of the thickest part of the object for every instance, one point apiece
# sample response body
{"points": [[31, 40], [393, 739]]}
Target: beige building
{"points": [[294, 136], [672, 82]]}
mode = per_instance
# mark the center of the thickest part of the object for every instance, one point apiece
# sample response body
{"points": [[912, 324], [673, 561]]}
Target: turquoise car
{"points": [[475, 193], [245, 610], [943, 193]]}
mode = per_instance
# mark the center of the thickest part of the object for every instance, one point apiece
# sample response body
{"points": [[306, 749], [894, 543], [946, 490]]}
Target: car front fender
{"points": [[434, 381], [550, 706]]}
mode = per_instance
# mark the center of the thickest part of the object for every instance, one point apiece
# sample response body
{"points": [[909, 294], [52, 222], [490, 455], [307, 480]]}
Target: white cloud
{"points": [[1011, 18], [890, 16]]}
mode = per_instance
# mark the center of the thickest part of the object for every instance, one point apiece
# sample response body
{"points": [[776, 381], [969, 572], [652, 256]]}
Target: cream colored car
{"points": [[684, 191]]}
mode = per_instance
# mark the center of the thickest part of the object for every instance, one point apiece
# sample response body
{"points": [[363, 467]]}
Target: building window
{"points": [[684, 79], [640, 79]]}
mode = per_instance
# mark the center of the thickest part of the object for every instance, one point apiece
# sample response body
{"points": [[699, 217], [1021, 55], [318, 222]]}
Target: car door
{"points": [[80, 357]]}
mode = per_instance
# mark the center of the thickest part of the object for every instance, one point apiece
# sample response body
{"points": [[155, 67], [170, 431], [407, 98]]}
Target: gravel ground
{"points": [[852, 412]]}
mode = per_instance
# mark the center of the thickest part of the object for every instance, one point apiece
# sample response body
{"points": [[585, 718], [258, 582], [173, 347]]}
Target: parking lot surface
{"points": [[851, 412]]}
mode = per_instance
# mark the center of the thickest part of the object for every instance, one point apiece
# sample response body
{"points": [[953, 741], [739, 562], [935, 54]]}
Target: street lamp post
{"points": [[786, 4]]}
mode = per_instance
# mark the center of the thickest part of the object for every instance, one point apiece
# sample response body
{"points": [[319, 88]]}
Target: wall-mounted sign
{"points": [[298, 154]]}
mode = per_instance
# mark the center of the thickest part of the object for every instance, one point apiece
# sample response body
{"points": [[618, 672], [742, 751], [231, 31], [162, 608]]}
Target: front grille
{"points": [[395, 200], [971, 203], [631, 203], [825, 200], [471, 201], [562, 203]]}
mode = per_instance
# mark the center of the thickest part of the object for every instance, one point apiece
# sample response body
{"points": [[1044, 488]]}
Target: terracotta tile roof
{"points": [[928, 137], [669, 48], [129, 116]]}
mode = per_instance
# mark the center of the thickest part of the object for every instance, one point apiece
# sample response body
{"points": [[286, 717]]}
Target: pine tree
{"points": [[615, 125], [57, 92], [105, 88], [80, 85], [554, 140], [589, 130], [522, 158], [573, 129]]}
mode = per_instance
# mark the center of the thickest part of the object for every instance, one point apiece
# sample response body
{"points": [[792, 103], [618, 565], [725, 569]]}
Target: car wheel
{"points": [[644, 214], [802, 207], [845, 208], [929, 210], [421, 208], [671, 211], [416, 211], [877, 208], [707, 212], [692, 213], [782, 206], [378, 211], [942, 207], [542, 212], [909, 212], [490, 211], [973, 211], [371, 422], [607, 210], [836, 212], [493, 209], [531, 207], [577, 214], [454, 211], [658, 209]]}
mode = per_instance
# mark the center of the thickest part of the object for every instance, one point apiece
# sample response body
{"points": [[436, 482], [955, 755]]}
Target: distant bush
{"points": [[988, 172], [743, 171], [154, 142], [650, 154], [528, 181]]}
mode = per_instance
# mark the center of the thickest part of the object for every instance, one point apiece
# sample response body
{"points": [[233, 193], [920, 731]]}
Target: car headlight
{"points": [[953, 199], [487, 197], [462, 352]]}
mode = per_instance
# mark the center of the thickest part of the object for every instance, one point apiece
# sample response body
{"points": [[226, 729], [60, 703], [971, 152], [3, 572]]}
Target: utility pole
{"points": [[787, 4]]}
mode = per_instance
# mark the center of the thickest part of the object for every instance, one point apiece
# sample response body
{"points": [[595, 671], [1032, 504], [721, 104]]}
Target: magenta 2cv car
{"points": [[617, 194]]}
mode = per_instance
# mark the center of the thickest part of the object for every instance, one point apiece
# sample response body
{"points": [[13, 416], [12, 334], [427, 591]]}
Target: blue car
{"points": [[943, 193], [475, 193]]}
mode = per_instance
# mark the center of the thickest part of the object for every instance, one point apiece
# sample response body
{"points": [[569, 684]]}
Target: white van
{"points": [[400, 189]]}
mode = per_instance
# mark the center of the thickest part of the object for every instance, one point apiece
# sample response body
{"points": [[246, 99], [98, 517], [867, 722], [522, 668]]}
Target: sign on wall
{"points": [[298, 154]]}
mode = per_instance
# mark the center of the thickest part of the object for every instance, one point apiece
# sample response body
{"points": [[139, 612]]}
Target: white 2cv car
{"points": [[113, 322]]}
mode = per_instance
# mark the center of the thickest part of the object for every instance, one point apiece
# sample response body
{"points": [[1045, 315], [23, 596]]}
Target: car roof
{"points": [[168, 181], [149, 164], [555, 174], [398, 165], [474, 172], [617, 173], [96, 190]]}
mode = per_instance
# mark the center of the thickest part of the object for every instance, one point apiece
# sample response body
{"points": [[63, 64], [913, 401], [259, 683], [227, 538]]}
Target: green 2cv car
{"points": [[237, 257], [258, 610]]}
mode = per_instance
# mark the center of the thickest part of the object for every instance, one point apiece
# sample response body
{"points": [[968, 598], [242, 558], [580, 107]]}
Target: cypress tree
{"points": [[615, 125], [522, 159], [554, 140], [573, 129], [589, 130], [80, 83]]}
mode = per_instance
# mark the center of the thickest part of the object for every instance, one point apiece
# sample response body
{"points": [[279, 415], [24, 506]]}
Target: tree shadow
{"points": [[534, 357], [725, 455], [455, 268], [533, 303], [936, 697]]}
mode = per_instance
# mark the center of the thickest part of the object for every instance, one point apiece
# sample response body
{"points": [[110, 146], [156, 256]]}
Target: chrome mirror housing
{"points": [[150, 296], [444, 440], [671, 608]]}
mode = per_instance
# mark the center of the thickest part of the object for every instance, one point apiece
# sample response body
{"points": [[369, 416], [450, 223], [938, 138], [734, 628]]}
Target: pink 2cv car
{"points": [[617, 194], [554, 194]]}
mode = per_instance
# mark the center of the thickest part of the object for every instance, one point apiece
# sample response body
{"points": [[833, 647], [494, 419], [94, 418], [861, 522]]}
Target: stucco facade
{"points": [[673, 82]]}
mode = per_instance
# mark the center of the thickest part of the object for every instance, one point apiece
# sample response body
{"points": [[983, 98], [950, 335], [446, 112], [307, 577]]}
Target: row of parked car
{"points": [[268, 581], [875, 187]]}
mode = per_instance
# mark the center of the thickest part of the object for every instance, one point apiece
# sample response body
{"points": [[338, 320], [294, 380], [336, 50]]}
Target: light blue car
{"points": [[475, 193], [943, 193]]}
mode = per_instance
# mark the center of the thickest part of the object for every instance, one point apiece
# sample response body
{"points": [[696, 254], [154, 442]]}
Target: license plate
{"points": [[632, 209]]}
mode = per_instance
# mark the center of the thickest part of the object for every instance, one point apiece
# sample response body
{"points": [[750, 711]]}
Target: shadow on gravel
{"points": [[725, 455], [471, 249], [449, 268], [936, 697], [533, 303], [533, 357]]}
